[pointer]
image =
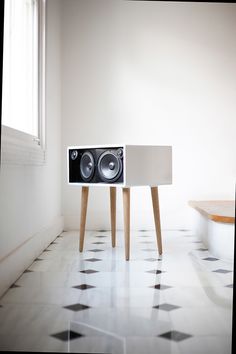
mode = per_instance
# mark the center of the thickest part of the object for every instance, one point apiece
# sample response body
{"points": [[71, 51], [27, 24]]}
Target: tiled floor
{"points": [[96, 302]]}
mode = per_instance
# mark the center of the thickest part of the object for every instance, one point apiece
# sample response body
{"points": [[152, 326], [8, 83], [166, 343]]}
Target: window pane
{"points": [[20, 66]]}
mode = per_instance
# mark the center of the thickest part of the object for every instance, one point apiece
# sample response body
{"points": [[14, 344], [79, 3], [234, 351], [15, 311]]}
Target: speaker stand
{"points": [[126, 210], [113, 215], [83, 212], [126, 207], [157, 219]]}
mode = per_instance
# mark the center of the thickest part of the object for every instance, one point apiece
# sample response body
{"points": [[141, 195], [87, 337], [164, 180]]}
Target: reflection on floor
{"points": [[96, 302]]}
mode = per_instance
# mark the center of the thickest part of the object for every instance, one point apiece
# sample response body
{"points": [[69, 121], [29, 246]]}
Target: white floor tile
{"points": [[128, 309]]}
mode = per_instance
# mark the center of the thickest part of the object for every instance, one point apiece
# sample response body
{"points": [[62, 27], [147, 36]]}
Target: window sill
{"points": [[19, 148]]}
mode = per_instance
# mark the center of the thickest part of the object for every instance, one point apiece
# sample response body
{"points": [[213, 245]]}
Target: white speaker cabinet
{"points": [[120, 166], [142, 165]]}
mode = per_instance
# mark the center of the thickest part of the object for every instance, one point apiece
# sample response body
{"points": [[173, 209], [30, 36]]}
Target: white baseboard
{"points": [[12, 266], [95, 220], [98, 219]]}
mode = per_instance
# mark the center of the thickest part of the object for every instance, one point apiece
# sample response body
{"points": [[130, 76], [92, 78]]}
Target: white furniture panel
{"points": [[148, 165]]}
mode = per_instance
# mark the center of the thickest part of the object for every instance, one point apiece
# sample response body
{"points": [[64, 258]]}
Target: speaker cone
{"points": [[87, 166], [74, 155], [109, 166]]}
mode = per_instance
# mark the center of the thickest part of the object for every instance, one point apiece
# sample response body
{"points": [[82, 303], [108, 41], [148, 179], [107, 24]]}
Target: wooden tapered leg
{"points": [[83, 212], [113, 214], [156, 212], [126, 206]]}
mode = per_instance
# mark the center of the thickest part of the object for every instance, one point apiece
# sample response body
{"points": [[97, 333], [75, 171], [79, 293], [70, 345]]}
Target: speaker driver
{"points": [[109, 166], [87, 166], [74, 155]]}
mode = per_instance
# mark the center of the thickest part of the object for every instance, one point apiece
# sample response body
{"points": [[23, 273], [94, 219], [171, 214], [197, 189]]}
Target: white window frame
{"points": [[18, 147]]}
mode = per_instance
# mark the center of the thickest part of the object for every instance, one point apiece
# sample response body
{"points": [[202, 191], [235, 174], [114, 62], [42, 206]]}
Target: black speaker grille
{"points": [[95, 165], [109, 166], [87, 166]]}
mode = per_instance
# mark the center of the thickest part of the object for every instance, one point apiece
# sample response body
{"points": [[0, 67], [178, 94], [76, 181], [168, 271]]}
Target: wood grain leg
{"points": [[126, 206], [156, 212], [113, 215], [83, 212]]}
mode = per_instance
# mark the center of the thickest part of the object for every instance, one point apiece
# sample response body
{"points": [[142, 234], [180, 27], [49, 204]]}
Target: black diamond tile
{"points": [[77, 307], [98, 243], [95, 250], [100, 236], [83, 287], [28, 271], [210, 259], [166, 307], [175, 335], [160, 286], [201, 249], [89, 271], [154, 271], [65, 336], [229, 286], [92, 259], [102, 231], [152, 259], [223, 271], [14, 286]]}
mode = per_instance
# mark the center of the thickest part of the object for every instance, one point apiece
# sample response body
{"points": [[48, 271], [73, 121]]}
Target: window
{"points": [[23, 80]]}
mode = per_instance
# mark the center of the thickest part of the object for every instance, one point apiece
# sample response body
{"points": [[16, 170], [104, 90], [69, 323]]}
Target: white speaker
{"points": [[119, 165]]}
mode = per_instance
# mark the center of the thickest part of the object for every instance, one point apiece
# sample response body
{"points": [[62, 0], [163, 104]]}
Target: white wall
{"points": [[30, 196], [151, 73]]}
